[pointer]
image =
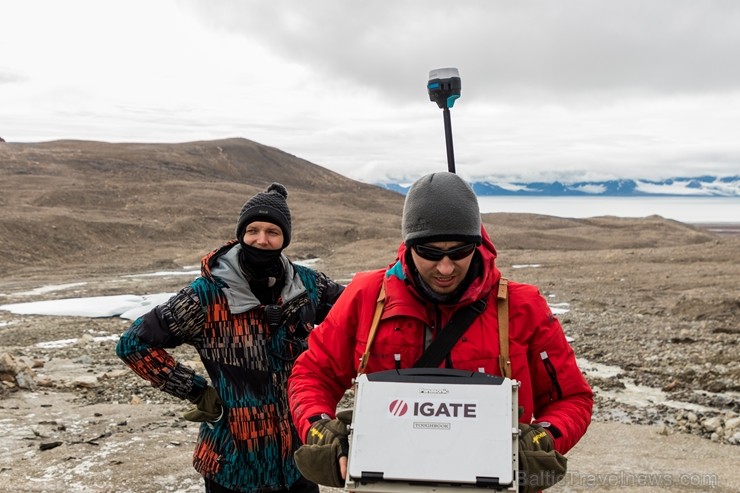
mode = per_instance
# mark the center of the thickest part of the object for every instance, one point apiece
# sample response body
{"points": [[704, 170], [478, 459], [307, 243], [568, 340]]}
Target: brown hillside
{"points": [[69, 203], [95, 207]]}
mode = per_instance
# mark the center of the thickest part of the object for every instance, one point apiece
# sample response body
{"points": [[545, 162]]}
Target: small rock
{"points": [[86, 381], [712, 424], [663, 430], [44, 381], [732, 423], [115, 373], [25, 379], [670, 386], [49, 445]]}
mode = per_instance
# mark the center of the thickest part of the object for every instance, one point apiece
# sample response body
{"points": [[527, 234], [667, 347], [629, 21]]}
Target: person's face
{"points": [[263, 235], [443, 275]]}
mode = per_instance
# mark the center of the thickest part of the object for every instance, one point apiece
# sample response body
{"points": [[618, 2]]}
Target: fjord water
{"points": [[692, 210]]}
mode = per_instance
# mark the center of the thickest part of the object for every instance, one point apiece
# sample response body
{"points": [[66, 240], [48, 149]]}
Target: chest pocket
{"points": [[399, 342]]}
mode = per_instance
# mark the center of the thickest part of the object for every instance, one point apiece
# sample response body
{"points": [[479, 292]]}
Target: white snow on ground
{"points": [[559, 308], [49, 289], [127, 306], [166, 273], [69, 342], [309, 262]]}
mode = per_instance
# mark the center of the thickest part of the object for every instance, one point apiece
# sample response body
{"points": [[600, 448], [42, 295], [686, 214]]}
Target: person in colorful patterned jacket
{"points": [[446, 262], [248, 316]]}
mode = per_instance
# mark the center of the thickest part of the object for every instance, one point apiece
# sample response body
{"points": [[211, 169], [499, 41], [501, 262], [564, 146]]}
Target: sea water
{"points": [[692, 210]]}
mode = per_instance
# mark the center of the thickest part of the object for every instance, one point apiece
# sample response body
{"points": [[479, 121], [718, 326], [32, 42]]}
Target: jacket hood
{"points": [[480, 287], [221, 266]]}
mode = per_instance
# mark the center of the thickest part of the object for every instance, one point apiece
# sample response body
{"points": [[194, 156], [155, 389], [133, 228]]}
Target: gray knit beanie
{"points": [[269, 206], [440, 207]]}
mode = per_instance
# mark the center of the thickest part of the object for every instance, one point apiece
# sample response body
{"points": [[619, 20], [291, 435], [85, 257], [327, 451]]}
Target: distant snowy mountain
{"points": [[699, 186]]}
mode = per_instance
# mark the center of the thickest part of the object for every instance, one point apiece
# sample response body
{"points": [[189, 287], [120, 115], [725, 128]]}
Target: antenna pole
{"points": [[448, 139]]}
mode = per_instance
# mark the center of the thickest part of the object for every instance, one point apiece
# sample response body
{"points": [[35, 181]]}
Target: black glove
{"points": [[318, 459], [540, 465], [209, 407]]}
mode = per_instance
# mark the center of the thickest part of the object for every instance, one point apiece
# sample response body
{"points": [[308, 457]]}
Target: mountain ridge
{"points": [[696, 186]]}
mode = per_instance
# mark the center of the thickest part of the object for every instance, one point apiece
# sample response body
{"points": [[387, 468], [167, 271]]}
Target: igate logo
{"points": [[398, 408], [440, 409]]}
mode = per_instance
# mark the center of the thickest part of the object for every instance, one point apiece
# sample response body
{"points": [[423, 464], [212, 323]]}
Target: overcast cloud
{"points": [[598, 88]]}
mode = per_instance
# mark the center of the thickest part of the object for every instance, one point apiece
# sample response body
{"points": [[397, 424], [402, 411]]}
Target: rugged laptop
{"points": [[433, 429]]}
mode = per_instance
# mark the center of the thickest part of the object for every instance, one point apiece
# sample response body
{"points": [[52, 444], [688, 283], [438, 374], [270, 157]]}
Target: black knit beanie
{"points": [[440, 207], [269, 206]]}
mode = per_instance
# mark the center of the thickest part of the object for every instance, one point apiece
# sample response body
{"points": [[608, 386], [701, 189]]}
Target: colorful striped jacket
{"points": [[251, 448]]}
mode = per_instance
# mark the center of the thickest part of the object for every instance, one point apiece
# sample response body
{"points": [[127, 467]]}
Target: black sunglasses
{"points": [[437, 254]]}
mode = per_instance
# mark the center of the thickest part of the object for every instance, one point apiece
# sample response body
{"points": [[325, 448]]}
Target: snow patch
{"points": [[165, 273], [51, 288], [127, 306]]}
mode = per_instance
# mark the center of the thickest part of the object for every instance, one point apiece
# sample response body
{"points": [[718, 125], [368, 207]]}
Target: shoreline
{"points": [[719, 228], [688, 210]]}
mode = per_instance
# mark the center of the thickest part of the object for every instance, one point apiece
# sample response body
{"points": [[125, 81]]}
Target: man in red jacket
{"points": [[445, 263]]}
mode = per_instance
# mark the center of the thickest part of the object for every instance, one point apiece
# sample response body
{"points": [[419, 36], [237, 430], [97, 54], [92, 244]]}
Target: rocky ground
{"points": [[655, 328]]}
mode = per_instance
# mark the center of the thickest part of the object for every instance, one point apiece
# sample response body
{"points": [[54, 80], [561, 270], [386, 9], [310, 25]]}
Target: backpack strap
{"points": [[449, 335], [502, 302], [502, 298], [379, 304]]}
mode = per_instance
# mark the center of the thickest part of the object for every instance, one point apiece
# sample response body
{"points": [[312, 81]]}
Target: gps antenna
{"points": [[444, 88]]}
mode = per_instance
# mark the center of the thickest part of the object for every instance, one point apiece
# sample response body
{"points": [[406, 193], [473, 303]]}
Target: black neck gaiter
{"points": [[264, 271]]}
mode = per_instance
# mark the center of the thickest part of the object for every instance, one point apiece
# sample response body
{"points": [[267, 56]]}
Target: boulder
{"points": [[16, 372]]}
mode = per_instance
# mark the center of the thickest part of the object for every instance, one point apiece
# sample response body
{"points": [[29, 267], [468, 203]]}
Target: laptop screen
{"points": [[434, 426]]}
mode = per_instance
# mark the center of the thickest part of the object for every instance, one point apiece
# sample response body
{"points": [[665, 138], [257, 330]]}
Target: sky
{"points": [[593, 89]]}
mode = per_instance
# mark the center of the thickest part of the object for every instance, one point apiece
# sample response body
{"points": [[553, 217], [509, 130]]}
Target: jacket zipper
{"points": [[550, 368]]}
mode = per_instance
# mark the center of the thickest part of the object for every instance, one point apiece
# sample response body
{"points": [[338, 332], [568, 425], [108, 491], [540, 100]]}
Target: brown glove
{"points": [[326, 442], [540, 465], [209, 407]]}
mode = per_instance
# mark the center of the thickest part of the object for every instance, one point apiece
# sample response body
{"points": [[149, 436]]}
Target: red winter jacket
{"points": [[552, 387]]}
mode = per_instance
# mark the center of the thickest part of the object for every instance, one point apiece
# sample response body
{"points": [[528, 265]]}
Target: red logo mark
{"points": [[398, 408]]}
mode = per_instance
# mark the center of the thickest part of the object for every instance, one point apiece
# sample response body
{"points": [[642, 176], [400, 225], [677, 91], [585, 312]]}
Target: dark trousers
{"points": [[303, 485]]}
